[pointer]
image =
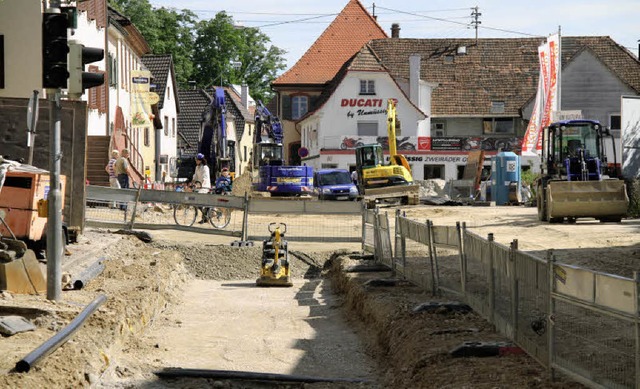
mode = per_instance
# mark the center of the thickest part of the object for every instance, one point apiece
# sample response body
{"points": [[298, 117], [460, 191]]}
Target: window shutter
{"points": [[93, 92], [101, 13], [286, 107], [102, 94], [313, 100]]}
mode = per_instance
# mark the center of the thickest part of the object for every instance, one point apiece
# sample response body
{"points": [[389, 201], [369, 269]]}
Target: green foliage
{"points": [[204, 50], [633, 191]]}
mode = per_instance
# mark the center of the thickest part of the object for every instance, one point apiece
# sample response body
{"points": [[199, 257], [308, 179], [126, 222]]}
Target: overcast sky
{"points": [[293, 25]]}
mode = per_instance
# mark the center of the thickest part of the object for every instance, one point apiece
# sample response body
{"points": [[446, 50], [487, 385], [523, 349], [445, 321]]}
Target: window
{"points": [[448, 58], [433, 171], [497, 107], [1, 61], [113, 71], [437, 129], [173, 127], [614, 121], [367, 87], [166, 126], [497, 126], [299, 106], [146, 136], [367, 128], [329, 166]]}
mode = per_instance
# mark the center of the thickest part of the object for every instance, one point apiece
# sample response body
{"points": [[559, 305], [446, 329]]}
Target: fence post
{"points": [[376, 236], [431, 253], [492, 281], [364, 224], [514, 287], [135, 207], [463, 276], [245, 219], [435, 256], [636, 277], [551, 318]]}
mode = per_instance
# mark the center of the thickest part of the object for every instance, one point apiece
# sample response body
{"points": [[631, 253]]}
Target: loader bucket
{"points": [[23, 275], [606, 199]]}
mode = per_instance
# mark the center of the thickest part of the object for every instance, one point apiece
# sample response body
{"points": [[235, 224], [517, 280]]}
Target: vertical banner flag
{"points": [[140, 107], [547, 98]]}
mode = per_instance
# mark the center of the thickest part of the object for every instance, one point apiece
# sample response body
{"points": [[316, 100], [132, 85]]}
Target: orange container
{"points": [[23, 188]]}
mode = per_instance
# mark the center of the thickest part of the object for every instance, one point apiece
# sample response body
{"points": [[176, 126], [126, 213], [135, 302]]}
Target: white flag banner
{"points": [[547, 96]]}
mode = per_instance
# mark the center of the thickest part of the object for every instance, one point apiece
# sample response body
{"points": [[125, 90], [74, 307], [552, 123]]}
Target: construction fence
{"points": [[576, 321], [242, 217]]}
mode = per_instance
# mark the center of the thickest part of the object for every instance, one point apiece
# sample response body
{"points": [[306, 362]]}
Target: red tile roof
{"points": [[345, 36]]}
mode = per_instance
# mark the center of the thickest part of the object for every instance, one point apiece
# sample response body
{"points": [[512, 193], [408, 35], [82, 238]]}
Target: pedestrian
{"points": [[121, 169], [110, 169], [354, 177], [223, 182]]}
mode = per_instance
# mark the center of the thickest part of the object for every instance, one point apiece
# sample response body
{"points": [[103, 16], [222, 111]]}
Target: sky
{"points": [[293, 25]]}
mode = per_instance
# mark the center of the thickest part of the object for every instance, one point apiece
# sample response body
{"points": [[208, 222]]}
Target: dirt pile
{"points": [[242, 184]]}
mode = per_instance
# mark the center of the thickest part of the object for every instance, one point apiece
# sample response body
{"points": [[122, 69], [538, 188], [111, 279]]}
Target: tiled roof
{"points": [[504, 70], [348, 32], [193, 102], [159, 66]]}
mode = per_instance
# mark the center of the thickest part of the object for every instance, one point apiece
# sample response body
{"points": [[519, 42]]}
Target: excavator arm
{"points": [[213, 133]]}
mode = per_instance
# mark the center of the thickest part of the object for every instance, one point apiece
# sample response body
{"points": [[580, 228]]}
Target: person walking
{"points": [[121, 169], [110, 169]]}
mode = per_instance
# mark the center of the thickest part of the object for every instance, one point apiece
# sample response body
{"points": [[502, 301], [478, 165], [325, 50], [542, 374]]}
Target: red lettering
{"points": [[352, 102], [344, 102], [368, 103], [360, 102]]}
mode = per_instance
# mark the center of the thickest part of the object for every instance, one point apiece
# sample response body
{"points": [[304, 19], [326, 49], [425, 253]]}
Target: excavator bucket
{"points": [[606, 200], [23, 275]]}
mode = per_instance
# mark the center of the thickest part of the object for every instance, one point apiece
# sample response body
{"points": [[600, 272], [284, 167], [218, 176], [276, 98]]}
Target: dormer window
{"points": [[367, 87]]}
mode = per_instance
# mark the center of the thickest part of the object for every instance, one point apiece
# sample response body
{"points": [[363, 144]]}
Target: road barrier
{"points": [[573, 320]]}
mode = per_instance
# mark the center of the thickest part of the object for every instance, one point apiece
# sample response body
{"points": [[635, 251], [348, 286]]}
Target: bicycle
{"points": [[186, 215]]}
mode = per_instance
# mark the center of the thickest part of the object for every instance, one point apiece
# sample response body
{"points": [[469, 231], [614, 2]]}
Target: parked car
{"points": [[334, 184]]}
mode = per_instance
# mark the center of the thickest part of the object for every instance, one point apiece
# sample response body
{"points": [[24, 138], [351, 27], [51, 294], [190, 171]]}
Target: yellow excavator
{"points": [[275, 258], [576, 179], [378, 181]]}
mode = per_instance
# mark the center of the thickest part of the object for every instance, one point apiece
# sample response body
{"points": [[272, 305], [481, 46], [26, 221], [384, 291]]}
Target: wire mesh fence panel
{"points": [[368, 233], [477, 266], [532, 296], [308, 227], [100, 212], [417, 268], [449, 272], [383, 240], [502, 288], [598, 346]]}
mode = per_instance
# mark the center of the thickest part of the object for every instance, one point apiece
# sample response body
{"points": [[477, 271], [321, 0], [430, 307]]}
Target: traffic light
{"points": [[79, 80], [54, 50]]}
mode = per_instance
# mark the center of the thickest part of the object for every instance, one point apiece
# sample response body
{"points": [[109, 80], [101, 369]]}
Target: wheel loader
{"points": [[575, 180]]}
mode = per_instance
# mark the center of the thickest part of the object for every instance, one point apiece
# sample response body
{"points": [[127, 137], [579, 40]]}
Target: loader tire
{"points": [[541, 204]]}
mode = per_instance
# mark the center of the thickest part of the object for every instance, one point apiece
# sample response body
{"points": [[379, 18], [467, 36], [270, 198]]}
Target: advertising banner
{"points": [[141, 115]]}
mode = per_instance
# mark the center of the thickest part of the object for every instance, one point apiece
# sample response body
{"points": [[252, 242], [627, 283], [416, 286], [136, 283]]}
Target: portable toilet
{"points": [[505, 184]]}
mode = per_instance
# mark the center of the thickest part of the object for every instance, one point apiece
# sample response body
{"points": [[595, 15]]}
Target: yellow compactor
{"points": [[274, 270], [576, 179]]}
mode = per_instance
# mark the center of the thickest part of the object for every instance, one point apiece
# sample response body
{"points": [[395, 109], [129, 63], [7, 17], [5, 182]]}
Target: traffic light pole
{"points": [[54, 219]]}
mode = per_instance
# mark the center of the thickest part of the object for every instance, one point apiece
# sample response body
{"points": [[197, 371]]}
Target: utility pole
{"points": [[475, 22], [54, 75]]}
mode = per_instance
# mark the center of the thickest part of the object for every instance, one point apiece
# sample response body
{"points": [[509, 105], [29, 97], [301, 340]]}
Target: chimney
{"points": [[414, 78], [395, 30], [244, 95]]}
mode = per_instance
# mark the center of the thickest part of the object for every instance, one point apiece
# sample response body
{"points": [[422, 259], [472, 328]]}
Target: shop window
{"points": [[433, 172], [329, 166], [299, 106], [367, 87], [492, 126]]}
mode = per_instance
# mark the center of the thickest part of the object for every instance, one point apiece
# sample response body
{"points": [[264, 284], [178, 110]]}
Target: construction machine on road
{"points": [[379, 182], [274, 270], [269, 172], [575, 180]]}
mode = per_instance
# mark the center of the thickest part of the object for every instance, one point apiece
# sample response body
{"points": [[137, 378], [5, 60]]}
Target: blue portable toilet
{"points": [[506, 181]]}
